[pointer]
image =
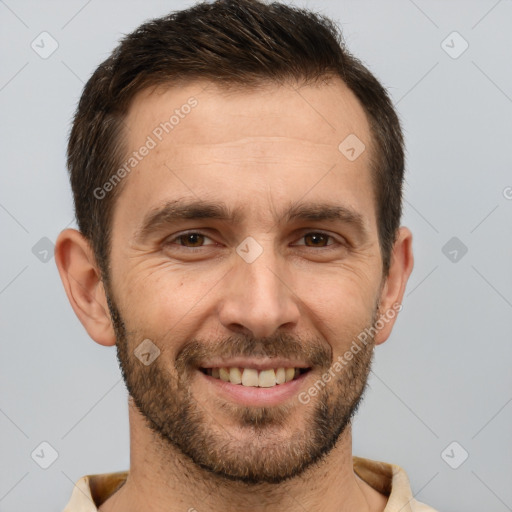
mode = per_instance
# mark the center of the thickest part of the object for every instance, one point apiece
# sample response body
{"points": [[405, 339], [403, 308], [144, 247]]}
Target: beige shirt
{"points": [[389, 479]]}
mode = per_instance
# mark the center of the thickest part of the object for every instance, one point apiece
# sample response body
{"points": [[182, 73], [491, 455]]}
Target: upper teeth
{"points": [[254, 378]]}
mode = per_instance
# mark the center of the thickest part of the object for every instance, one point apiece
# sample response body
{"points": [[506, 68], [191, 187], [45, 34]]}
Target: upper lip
{"points": [[256, 363]]}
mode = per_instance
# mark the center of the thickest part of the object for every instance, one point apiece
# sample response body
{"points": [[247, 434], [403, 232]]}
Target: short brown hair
{"points": [[233, 42]]}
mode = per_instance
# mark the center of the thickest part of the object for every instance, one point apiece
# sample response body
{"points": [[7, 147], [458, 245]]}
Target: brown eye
{"points": [[192, 239], [317, 239]]}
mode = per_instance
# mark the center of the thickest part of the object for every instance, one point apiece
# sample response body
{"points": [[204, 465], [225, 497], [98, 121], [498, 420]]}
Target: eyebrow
{"points": [[178, 210]]}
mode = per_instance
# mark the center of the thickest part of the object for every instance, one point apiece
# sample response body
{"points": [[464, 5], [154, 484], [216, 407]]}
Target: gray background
{"points": [[443, 376]]}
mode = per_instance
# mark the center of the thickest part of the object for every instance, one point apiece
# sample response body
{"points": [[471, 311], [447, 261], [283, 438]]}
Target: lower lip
{"points": [[256, 396]]}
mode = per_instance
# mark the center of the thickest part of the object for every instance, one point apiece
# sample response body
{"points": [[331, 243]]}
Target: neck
{"points": [[162, 479]]}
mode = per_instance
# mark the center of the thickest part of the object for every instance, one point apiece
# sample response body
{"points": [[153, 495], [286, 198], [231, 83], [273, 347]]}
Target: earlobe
{"points": [[82, 281], [402, 262]]}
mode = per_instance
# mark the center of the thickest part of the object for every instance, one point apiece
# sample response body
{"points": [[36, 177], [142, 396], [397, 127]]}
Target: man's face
{"points": [[261, 290]]}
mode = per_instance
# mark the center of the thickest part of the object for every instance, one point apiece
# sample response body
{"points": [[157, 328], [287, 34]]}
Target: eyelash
{"points": [[196, 249]]}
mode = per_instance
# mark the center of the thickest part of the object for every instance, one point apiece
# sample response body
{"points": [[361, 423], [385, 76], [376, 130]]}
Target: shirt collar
{"points": [[391, 480]]}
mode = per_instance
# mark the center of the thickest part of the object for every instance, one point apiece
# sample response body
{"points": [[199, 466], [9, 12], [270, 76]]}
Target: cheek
{"points": [[338, 293], [340, 306], [165, 299]]}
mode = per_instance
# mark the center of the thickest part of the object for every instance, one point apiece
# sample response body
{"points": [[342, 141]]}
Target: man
{"points": [[237, 178]]}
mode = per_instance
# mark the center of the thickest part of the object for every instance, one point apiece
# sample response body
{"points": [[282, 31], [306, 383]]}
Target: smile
{"points": [[247, 389], [251, 377]]}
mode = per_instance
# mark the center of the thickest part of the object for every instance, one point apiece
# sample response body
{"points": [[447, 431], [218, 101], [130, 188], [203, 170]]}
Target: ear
{"points": [[393, 288], [81, 278]]}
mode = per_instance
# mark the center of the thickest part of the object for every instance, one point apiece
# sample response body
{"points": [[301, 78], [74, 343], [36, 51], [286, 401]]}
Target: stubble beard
{"points": [[266, 446]]}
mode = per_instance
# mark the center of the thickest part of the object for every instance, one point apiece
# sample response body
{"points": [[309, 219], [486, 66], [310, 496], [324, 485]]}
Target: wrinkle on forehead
{"points": [[322, 113], [295, 151]]}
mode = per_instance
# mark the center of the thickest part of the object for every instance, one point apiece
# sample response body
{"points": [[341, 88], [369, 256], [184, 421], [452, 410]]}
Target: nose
{"points": [[258, 297]]}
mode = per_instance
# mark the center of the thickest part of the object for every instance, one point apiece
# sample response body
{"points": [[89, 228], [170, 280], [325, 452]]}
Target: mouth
{"points": [[253, 377], [255, 387]]}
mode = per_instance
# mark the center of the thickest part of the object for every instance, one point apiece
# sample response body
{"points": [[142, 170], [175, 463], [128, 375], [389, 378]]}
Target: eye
{"points": [[195, 240], [317, 239], [190, 240]]}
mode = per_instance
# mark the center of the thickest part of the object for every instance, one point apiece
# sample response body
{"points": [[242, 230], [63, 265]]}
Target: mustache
{"points": [[312, 352]]}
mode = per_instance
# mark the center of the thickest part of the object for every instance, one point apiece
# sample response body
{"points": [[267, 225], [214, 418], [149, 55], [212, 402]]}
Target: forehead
{"points": [[272, 143], [322, 113]]}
